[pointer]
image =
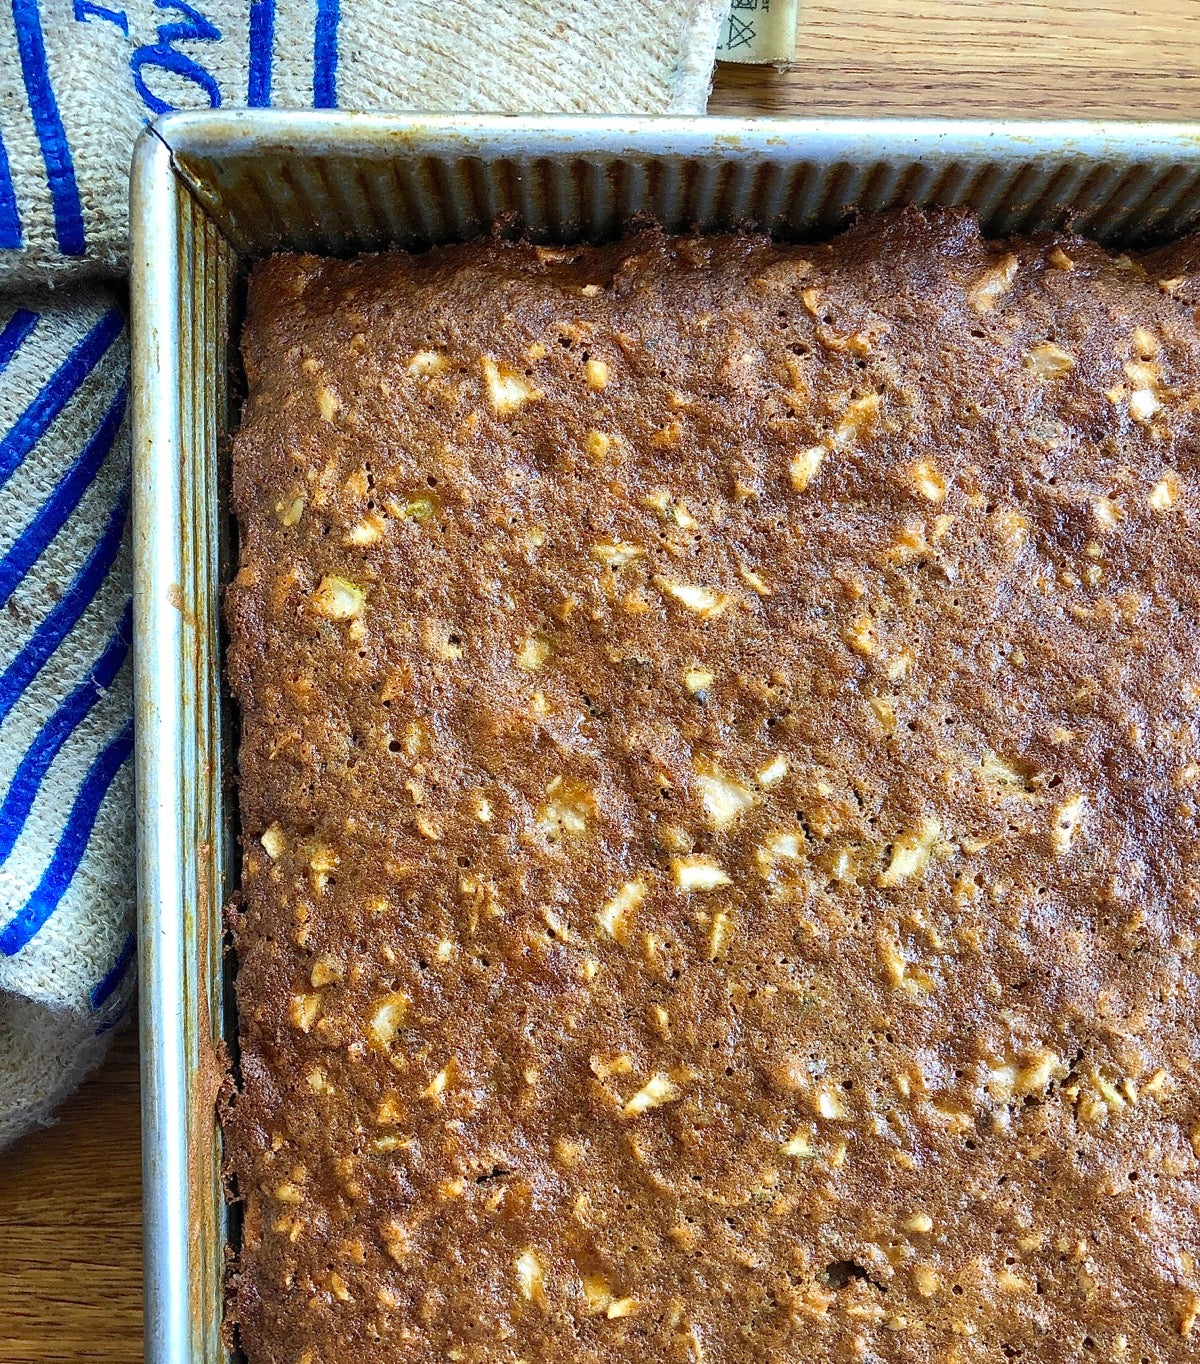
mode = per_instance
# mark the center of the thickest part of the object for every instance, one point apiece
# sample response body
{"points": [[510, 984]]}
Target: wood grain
{"points": [[70, 1216], [71, 1227], [957, 58]]}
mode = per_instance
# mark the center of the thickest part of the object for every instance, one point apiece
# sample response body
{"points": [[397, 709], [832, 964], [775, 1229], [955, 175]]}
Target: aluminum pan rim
{"points": [[175, 150]]}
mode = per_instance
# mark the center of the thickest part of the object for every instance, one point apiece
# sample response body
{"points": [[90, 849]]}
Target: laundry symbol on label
{"points": [[739, 34]]}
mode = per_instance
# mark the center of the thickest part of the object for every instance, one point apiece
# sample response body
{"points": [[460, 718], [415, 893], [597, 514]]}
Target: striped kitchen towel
{"points": [[79, 78], [66, 784]]}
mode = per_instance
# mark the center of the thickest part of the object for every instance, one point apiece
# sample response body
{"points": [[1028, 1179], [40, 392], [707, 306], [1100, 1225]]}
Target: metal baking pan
{"points": [[212, 191]]}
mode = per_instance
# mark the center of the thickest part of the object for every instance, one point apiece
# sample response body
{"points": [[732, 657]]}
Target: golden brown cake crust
{"points": [[719, 786]]}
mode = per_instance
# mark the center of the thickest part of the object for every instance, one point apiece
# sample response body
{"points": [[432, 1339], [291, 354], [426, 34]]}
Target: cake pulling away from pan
{"points": [[719, 777]]}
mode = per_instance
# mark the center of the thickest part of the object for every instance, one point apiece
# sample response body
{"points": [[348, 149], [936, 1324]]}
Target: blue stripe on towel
{"points": [[54, 513], [57, 391], [65, 614], [10, 217], [103, 991], [16, 329], [65, 860], [23, 789], [262, 43], [48, 124], [325, 54]]}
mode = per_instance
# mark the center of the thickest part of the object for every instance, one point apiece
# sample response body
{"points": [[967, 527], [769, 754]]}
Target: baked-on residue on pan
{"points": [[719, 786]]}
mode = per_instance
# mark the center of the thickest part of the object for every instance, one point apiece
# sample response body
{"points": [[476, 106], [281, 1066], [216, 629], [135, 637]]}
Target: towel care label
{"points": [[759, 31]]}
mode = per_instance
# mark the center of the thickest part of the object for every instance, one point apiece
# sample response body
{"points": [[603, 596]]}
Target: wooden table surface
{"points": [[70, 1228]]}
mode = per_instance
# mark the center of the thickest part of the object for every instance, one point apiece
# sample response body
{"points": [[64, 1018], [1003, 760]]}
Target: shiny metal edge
{"points": [[178, 283], [322, 182], [206, 187], [157, 656]]}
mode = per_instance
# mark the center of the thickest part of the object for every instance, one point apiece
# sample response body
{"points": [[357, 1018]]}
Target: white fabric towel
{"points": [[66, 785], [79, 78]]}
